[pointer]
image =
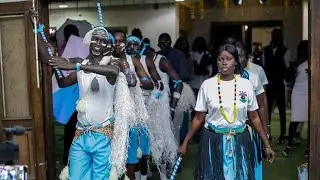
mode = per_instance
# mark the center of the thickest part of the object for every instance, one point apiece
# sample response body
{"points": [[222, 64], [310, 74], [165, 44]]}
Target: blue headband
{"points": [[145, 45], [111, 37], [134, 39]]}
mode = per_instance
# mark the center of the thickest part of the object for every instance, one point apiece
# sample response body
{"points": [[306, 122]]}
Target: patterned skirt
{"points": [[225, 154]]}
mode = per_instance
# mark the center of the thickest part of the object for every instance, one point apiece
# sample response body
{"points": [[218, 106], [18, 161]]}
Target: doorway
{"points": [[248, 32], [220, 31]]}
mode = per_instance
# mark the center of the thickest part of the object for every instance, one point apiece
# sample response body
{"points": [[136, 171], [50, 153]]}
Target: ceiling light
{"points": [[63, 6], [179, 0]]}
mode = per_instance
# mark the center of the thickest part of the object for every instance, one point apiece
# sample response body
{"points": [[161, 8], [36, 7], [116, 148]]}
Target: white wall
{"points": [[292, 21], [152, 22]]}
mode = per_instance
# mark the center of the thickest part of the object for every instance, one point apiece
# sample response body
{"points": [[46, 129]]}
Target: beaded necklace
{"points": [[223, 113]]}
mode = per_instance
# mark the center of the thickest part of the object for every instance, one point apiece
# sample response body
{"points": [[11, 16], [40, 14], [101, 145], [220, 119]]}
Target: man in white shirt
{"points": [[276, 61], [257, 70]]}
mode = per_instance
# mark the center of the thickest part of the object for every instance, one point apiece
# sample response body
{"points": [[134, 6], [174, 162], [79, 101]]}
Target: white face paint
{"points": [[122, 46], [108, 50], [100, 44]]}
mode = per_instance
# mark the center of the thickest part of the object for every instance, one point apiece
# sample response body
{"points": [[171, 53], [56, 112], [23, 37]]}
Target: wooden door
{"points": [[20, 96], [314, 88]]}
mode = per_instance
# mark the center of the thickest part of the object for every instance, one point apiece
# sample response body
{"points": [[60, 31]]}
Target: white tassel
{"points": [[139, 153], [126, 178], [187, 100], [162, 142], [124, 109], [64, 175], [113, 174]]}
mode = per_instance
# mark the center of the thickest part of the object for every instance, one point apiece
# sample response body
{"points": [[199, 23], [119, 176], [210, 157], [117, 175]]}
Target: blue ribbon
{"points": [[245, 74], [176, 83], [100, 14], [111, 37], [134, 39], [175, 169], [158, 94], [145, 78], [145, 45]]}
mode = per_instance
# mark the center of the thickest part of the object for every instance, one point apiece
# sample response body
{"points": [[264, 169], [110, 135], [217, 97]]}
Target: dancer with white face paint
{"points": [[104, 108]]}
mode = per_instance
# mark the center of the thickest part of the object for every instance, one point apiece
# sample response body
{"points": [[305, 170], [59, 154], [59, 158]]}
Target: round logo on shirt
{"points": [[243, 96]]}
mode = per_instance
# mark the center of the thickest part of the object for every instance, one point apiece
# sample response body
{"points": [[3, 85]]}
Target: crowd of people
{"points": [[134, 104]]}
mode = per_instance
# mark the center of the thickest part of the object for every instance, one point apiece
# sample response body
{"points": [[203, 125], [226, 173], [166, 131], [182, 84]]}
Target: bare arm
{"points": [[165, 66], [146, 82], [43, 53], [67, 81], [262, 111], [75, 60], [197, 123], [266, 111], [108, 71], [130, 76], [256, 122], [105, 70], [154, 74], [44, 56]]}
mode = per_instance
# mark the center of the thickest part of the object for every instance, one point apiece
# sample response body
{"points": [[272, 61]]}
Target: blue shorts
{"points": [[138, 137], [89, 157]]}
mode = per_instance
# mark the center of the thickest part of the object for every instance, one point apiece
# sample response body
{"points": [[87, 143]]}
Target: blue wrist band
{"points": [[176, 83], [78, 67]]}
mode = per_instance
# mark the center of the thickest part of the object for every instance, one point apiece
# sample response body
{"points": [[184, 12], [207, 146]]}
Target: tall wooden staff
{"points": [[36, 45]]}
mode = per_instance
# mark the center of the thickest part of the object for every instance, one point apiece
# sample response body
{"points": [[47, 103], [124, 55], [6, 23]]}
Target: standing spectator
{"points": [[202, 68], [257, 54], [277, 58], [176, 57], [200, 61], [299, 97]]}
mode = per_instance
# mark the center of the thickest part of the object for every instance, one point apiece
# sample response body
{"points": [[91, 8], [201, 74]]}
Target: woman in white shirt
{"points": [[223, 105], [299, 96]]}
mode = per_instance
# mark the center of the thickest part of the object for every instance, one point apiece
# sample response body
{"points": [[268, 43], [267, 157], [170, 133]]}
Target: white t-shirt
{"points": [[258, 70], [208, 101], [256, 83]]}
